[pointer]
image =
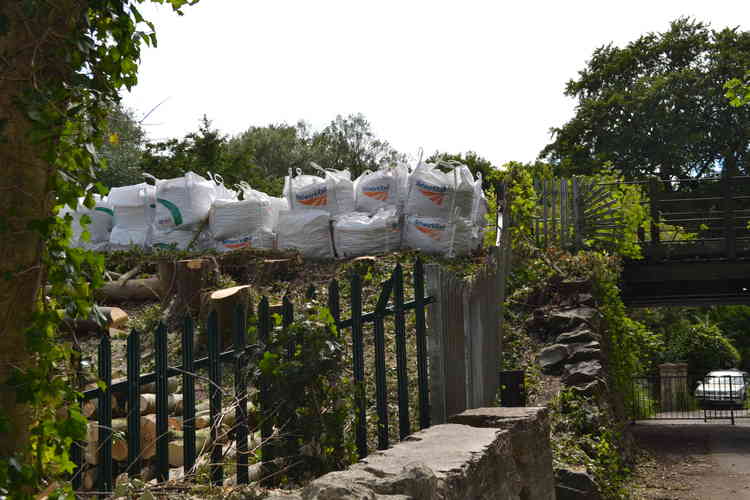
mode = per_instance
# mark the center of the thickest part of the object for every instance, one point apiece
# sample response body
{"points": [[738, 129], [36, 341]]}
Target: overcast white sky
{"points": [[486, 76]]}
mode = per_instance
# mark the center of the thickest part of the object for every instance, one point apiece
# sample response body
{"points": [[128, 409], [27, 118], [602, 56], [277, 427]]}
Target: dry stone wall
{"points": [[484, 453]]}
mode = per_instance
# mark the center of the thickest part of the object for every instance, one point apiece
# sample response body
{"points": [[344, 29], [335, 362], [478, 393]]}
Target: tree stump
{"points": [[225, 303], [191, 278]]}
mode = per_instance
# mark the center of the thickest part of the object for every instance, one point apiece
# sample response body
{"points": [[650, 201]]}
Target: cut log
{"points": [[90, 407], [225, 303], [148, 403], [252, 417], [201, 421], [88, 481], [136, 290], [173, 385], [148, 434], [113, 317], [119, 445], [176, 447]]}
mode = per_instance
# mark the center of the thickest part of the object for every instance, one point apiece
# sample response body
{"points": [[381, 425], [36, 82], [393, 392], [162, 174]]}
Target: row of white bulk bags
{"points": [[307, 231], [333, 193], [359, 233], [183, 202], [383, 188], [434, 193], [133, 208]]}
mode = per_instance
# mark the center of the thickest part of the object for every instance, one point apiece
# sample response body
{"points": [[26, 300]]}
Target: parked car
{"points": [[722, 388]]}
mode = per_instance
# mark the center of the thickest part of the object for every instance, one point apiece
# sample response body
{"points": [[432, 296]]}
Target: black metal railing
{"points": [[690, 397], [238, 358]]}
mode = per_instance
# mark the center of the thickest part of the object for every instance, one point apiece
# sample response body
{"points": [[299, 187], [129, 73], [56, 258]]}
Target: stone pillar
{"points": [[673, 380]]}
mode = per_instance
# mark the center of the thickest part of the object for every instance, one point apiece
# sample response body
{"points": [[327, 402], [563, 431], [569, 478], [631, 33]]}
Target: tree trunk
{"points": [[225, 303], [191, 278], [142, 289], [31, 58]]}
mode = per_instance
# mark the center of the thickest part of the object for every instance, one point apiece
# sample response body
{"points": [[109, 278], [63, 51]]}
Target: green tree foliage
{"points": [[738, 91], [262, 156], [702, 345], [657, 106], [349, 143], [704, 337], [491, 174], [122, 149], [734, 322], [200, 152]]}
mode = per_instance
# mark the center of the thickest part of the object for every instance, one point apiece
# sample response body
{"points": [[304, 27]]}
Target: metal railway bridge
{"points": [[696, 248]]}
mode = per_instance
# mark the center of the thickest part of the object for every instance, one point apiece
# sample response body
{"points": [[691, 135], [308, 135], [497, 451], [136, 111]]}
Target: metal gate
{"points": [[721, 395]]}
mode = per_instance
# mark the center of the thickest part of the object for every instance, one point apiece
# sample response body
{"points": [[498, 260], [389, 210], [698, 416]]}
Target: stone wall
{"points": [[484, 453]]}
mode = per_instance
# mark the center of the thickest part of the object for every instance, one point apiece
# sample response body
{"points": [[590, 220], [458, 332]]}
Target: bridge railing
{"points": [[689, 218]]}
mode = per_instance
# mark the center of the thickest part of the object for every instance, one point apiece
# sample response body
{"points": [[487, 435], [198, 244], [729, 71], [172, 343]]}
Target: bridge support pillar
{"points": [[673, 380]]}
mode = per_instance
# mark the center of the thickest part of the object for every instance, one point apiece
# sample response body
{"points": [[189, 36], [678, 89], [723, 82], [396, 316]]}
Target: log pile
{"points": [[183, 287], [147, 419]]}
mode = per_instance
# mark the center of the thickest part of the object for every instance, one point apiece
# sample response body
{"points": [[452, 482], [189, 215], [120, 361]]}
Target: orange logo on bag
{"points": [[379, 193], [315, 199], [435, 194], [434, 231]]}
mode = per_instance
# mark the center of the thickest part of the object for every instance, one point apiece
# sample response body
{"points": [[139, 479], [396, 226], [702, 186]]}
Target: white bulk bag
{"points": [[229, 218], [233, 243], [380, 189], [434, 193], [183, 202], [221, 192], [133, 208], [263, 238], [307, 231], [440, 236], [175, 239], [333, 193], [358, 233], [100, 226], [278, 205]]}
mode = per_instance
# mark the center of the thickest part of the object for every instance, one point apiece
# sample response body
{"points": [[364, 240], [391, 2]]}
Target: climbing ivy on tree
{"points": [[63, 65]]}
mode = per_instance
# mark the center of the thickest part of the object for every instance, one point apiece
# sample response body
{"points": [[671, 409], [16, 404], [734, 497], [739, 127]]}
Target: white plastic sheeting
{"points": [[359, 233], [434, 193], [383, 188], [307, 231], [440, 236], [183, 202], [333, 193], [133, 208]]}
